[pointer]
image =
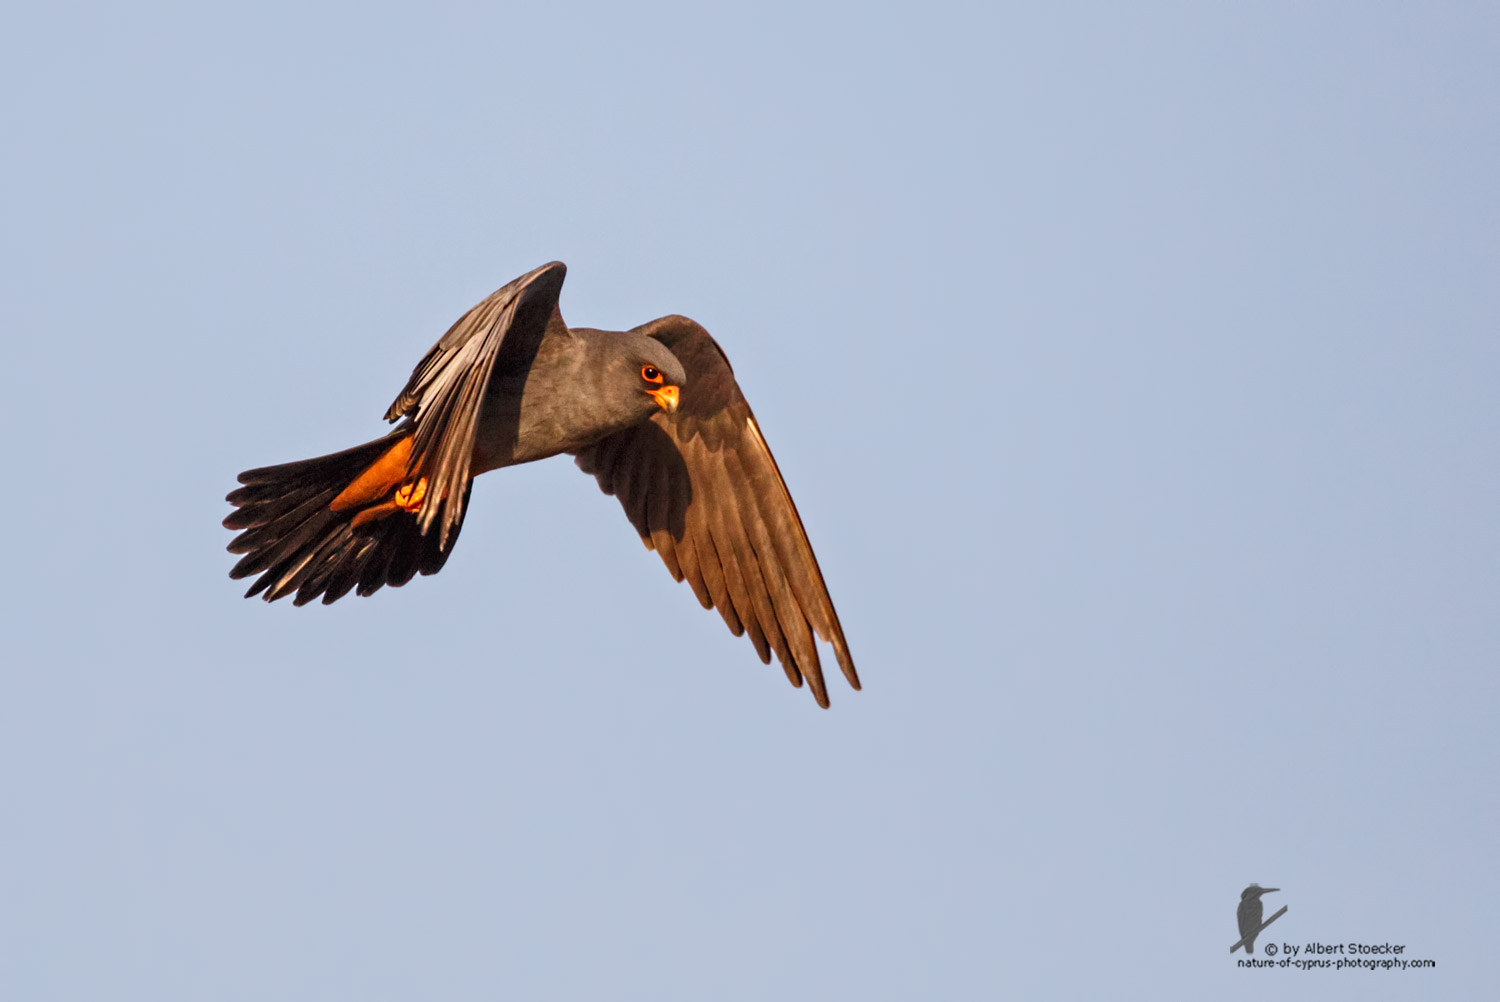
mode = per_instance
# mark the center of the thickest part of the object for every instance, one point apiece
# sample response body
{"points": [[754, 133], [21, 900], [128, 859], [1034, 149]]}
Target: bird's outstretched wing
{"points": [[447, 387], [703, 490]]}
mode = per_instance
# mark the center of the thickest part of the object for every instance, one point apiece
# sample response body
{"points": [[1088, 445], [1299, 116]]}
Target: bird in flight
{"points": [[653, 413]]}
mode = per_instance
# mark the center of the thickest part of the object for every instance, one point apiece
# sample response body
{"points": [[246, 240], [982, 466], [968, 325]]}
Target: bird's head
{"points": [[1255, 891], [647, 373]]}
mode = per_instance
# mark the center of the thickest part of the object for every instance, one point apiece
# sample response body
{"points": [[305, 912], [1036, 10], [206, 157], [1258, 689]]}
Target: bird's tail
{"points": [[328, 525]]}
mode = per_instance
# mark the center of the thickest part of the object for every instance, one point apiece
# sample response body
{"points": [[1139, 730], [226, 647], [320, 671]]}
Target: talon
{"points": [[409, 496]]}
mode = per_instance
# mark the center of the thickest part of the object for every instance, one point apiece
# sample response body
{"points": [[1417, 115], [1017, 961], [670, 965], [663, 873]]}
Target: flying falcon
{"points": [[653, 413]]}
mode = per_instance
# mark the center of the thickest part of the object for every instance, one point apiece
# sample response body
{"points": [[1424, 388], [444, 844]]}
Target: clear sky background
{"points": [[1135, 373]]}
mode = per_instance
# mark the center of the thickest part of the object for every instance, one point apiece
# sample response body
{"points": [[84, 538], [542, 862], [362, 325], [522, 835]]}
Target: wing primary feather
{"points": [[799, 653], [791, 540], [729, 527], [621, 486], [717, 580], [738, 593], [446, 391], [658, 518], [758, 591]]}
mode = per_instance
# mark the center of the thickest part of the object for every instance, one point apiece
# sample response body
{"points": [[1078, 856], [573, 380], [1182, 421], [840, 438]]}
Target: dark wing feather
{"points": [[703, 490], [447, 388]]}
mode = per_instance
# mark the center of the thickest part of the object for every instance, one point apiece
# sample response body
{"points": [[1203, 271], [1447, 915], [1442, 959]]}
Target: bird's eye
{"points": [[651, 374]]}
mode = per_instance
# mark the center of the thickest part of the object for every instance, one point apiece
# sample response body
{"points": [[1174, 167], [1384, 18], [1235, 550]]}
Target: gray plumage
{"points": [[654, 413]]}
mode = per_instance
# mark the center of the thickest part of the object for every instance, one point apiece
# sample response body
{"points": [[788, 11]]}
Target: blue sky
{"points": [[1134, 372]]}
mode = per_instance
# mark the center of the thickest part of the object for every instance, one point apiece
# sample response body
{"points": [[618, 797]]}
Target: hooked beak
{"points": [[666, 398]]}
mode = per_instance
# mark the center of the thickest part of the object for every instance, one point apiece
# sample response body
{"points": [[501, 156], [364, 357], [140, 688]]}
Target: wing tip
{"points": [[846, 662]]}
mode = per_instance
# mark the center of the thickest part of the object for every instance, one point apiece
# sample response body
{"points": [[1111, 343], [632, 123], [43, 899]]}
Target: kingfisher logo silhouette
{"points": [[1249, 915]]}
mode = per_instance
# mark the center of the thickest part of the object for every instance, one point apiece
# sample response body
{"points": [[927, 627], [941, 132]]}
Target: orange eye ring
{"points": [[651, 374]]}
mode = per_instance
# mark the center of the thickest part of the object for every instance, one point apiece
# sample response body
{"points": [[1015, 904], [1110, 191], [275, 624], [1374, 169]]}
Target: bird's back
{"points": [[1250, 912]]}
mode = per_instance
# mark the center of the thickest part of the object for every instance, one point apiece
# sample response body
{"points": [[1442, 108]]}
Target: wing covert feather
{"points": [[702, 489], [446, 390]]}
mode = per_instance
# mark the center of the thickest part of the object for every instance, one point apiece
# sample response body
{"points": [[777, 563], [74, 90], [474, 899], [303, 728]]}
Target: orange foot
{"points": [[409, 496]]}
